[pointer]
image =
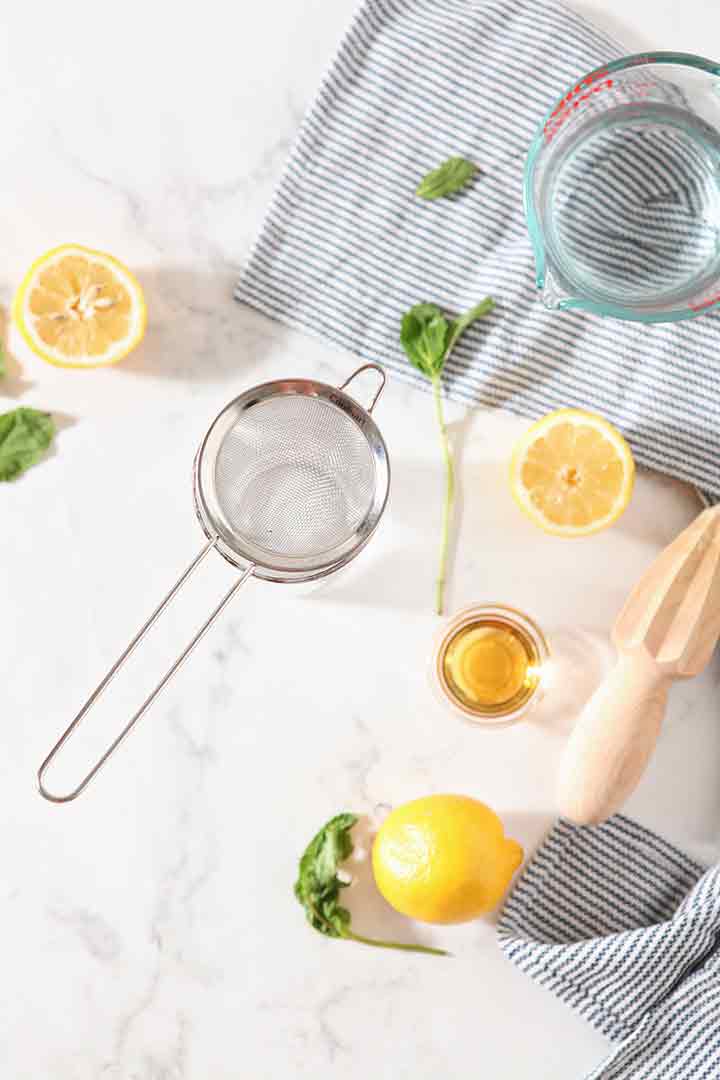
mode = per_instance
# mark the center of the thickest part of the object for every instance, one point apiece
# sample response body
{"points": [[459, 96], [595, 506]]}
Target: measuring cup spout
{"points": [[553, 296]]}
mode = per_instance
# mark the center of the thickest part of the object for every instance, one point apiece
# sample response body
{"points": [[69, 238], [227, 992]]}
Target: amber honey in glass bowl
{"points": [[489, 663]]}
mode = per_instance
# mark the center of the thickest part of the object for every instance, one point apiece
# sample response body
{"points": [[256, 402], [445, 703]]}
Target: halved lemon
{"points": [[572, 472], [79, 308]]}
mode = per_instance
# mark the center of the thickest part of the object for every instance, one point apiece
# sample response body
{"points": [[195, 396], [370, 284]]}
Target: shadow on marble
{"points": [[641, 521], [529, 828], [197, 331], [397, 580], [403, 576], [460, 432], [63, 421], [684, 769], [579, 661], [13, 384]]}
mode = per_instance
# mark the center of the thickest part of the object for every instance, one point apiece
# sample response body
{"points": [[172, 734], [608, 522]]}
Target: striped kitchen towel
{"points": [[625, 929], [346, 247]]}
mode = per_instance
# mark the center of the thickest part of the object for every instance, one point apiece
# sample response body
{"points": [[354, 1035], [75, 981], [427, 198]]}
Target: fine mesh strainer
{"points": [[290, 483]]}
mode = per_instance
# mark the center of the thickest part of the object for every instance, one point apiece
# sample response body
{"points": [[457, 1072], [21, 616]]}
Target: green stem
{"points": [[348, 935], [394, 945], [449, 496]]}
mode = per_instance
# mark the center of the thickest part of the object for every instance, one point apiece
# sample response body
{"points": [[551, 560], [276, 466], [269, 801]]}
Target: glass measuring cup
{"points": [[622, 190]]}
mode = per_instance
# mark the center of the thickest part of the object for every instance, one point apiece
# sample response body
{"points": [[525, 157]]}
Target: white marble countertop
{"points": [[149, 929]]}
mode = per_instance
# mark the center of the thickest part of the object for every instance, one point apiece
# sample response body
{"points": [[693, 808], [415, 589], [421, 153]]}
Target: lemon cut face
{"points": [[572, 473], [80, 308]]}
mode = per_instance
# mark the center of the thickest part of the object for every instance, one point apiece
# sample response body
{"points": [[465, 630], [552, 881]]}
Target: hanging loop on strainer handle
{"points": [[49, 795], [381, 387]]}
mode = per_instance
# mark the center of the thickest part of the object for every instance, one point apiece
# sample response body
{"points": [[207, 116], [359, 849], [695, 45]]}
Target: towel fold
{"points": [[624, 928], [346, 247]]}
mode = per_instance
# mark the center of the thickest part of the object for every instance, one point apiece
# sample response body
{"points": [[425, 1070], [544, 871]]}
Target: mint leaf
{"points": [[25, 435], [424, 334], [459, 326], [449, 177], [318, 885], [428, 339]]}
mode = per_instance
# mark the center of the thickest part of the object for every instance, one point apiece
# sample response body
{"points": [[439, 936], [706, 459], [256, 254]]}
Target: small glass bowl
{"points": [[533, 639]]}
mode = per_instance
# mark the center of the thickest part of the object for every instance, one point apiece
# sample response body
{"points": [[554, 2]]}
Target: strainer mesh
{"points": [[295, 476]]}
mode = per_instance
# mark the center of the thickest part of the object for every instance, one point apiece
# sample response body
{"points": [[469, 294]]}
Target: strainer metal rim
{"points": [[240, 551]]}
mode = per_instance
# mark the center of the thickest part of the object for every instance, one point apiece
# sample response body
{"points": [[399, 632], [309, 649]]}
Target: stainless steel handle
{"points": [[381, 387], [151, 697]]}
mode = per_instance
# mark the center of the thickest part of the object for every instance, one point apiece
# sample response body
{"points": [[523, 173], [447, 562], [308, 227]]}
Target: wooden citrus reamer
{"points": [[667, 630]]}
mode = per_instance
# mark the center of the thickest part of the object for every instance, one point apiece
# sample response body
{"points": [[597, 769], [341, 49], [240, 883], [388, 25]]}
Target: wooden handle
{"points": [[612, 741]]}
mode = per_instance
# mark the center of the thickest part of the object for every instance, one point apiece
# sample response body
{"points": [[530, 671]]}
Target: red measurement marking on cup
{"points": [[643, 58], [593, 84], [705, 303]]}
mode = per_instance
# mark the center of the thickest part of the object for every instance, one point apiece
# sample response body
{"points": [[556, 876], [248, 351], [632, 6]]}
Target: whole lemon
{"points": [[444, 859]]}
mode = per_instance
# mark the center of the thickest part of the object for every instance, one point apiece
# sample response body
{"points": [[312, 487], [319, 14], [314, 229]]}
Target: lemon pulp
{"points": [[572, 473], [79, 308]]}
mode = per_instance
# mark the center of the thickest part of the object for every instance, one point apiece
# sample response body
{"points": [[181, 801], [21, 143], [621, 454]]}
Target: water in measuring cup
{"points": [[632, 207]]}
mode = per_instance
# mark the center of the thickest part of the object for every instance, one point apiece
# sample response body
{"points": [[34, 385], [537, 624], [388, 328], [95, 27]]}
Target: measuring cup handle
{"points": [[49, 795], [381, 387]]}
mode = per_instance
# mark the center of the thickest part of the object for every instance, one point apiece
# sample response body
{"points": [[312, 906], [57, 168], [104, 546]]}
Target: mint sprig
{"points": [[318, 886], [428, 339]]}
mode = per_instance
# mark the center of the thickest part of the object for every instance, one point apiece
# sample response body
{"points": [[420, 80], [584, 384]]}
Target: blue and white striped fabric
{"points": [[346, 248], [625, 929]]}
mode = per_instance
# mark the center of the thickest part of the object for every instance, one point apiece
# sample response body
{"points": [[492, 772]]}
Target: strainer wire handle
{"points": [[154, 693], [381, 387]]}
